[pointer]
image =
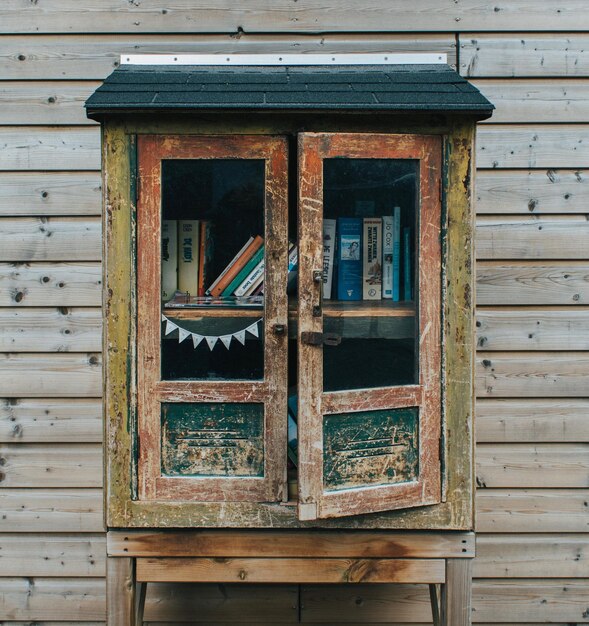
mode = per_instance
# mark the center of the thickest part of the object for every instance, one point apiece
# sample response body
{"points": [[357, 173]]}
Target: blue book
{"points": [[407, 264], [349, 257], [397, 254]]}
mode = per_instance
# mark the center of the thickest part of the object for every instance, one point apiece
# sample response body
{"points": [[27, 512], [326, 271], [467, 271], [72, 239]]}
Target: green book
{"points": [[245, 272]]}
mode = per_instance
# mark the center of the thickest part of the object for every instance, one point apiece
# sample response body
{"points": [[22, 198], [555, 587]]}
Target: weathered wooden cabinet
{"points": [[364, 174]]}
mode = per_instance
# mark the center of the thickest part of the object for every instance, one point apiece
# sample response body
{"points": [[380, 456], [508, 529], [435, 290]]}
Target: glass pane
{"points": [[212, 269], [370, 232], [370, 448], [212, 439]]}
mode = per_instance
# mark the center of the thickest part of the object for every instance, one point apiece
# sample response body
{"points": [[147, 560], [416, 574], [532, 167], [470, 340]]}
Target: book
{"points": [[387, 256], [397, 254], [169, 258], [188, 256], [328, 256], [407, 286], [244, 273], [237, 266], [292, 447], [230, 264], [349, 267], [252, 280], [205, 254], [372, 259], [293, 269]]}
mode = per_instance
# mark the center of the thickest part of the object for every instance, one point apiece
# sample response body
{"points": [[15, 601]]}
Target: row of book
{"points": [[363, 258], [186, 251]]}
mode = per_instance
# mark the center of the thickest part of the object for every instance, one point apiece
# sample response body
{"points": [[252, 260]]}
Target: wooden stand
{"points": [[218, 556]]}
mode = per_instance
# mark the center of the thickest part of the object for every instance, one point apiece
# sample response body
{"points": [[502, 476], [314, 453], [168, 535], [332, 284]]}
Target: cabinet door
{"points": [[369, 335], [211, 370]]}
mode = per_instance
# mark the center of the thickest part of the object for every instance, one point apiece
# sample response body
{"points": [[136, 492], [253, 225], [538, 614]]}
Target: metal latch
{"points": [[311, 338]]}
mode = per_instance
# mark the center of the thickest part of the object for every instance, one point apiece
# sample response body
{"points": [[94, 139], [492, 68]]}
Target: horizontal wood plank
{"points": [[530, 600], [533, 146], [63, 16], [61, 148], [538, 465], [93, 57], [251, 543], [61, 420], [532, 556], [532, 510], [45, 102], [535, 374], [531, 101], [53, 555], [207, 603], [51, 375], [531, 192], [51, 510], [50, 193], [522, 283], [63, 329], [287, 571], [68, 599], [532, 329], [50, 239], [50, 284], [532, 420], [511, 237], [525, 54], [51, 465]]}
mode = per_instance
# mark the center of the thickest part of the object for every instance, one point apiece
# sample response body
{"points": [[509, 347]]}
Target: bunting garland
{"points": [[211, 340]]}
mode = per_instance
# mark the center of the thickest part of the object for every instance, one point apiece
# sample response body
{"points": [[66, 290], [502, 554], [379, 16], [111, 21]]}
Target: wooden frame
{"points": [[152, 391], [123, 509], [315, 501]]}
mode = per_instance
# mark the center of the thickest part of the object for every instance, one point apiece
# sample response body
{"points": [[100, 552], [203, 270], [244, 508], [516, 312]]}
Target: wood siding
{"points": [[531, 58]]}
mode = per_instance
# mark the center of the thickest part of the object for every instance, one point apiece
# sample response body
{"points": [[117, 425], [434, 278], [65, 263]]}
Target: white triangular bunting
{"points": [[196, 339], [170, 327], [182, 334], [212, 341], [226, 339], [253, 329], [164, 318], [240, 336]]}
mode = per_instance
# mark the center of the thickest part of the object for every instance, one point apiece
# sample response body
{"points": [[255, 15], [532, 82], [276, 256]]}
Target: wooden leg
{"points": [[140, 606], [120, 591], [434, 601], [456, 593]]}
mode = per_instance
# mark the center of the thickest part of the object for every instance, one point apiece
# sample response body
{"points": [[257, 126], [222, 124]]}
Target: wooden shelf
{"points": [[331, 309]]}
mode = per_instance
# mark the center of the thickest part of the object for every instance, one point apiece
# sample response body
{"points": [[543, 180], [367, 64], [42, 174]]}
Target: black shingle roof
{"points": [[392, 88]]}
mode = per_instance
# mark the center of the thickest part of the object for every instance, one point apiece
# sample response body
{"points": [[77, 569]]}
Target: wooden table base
{"points": [[136, 558]]}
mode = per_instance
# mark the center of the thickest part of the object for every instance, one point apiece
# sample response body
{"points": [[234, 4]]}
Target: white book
{"points": [[188, 249], [169, 258], [255, 277], [387, 256], [372, 259], [328, 256]]}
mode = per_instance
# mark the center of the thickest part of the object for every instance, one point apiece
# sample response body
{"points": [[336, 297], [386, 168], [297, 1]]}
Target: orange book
{"points": [[204, 255], [248, 253]]}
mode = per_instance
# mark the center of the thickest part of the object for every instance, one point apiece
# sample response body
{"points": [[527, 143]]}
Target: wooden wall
{"points": [[530, 57]]}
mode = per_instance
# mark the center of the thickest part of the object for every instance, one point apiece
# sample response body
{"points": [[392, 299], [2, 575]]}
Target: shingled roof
{"points": [[432, 88]]}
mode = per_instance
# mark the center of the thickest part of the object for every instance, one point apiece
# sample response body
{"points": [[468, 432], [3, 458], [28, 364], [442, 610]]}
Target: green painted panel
{"points": [[212, 439], [370, 448]]}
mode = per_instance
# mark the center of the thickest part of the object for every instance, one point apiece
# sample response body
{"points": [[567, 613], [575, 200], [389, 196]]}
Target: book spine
{"points": [[169, 258], [397, 254], [387, 257], [237, 266], [328, 256], [372, 259], [407, 295], [349, 269], [188, 257], [244, 273], [252, 280], [229, 266], [205, 253]]}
